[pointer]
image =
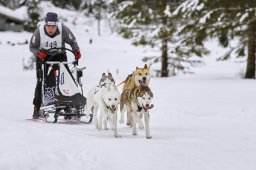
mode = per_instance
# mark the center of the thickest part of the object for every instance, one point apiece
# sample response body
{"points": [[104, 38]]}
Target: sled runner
{"points": [[62, 92]]}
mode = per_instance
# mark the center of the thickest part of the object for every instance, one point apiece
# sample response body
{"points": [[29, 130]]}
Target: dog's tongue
{"points": [[151, 106]]}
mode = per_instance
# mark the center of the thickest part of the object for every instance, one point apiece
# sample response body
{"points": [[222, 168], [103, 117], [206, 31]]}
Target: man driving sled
{"points": [[49, 34]]}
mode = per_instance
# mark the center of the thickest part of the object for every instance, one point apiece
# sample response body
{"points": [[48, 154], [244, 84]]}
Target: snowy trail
{"points": [[204, 121]]}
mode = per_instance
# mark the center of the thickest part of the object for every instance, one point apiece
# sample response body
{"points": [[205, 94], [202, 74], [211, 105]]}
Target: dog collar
{"points": [[139, 108], [107, 109]]}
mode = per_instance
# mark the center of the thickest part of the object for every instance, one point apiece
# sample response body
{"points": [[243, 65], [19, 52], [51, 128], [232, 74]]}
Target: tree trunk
{"points": [[250, 68], [98, 27], [164, 69]]}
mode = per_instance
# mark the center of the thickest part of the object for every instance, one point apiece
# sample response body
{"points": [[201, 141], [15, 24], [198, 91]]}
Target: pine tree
{"points": [[13, 4], [33, 13], [4, 2], [76, 3], [224, 19], [149, 23], [98, 7], [66, 4], [60, 3]]}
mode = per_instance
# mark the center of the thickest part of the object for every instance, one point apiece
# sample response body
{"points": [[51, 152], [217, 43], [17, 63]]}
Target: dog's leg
{"points": [[105, 124], [110, 121], [138, 120], [129, 118], [115, 126], [122, 110], [122, 116], [100, 119], [106, 120], [146, 116], [94, 111], [134, 131], [141, 115]]}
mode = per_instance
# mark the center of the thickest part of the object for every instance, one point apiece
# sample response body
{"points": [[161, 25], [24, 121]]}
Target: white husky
{"points": [[106, 97]]}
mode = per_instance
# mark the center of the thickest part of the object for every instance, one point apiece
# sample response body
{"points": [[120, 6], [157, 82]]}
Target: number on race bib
{"points": [[51, 44]]}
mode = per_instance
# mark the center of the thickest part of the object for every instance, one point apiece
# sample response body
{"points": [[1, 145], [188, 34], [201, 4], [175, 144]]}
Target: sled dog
{"points": [[106, 98], [140, 77], [137, 102]]}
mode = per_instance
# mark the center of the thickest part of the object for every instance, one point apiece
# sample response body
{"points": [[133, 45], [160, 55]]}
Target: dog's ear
{"points": [[110, 75], [145, 66], [137, 68], [103, 75]]}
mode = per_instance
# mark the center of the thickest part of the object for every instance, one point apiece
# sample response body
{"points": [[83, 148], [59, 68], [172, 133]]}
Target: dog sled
{"points": [[62, 92]]}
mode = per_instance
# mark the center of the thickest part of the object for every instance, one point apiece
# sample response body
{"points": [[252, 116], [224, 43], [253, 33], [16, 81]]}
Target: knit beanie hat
{"points": [[51, 18]]}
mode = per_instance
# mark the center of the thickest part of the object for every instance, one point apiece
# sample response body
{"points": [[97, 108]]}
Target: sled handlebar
{"points": [[63, 62], [60, 50]]}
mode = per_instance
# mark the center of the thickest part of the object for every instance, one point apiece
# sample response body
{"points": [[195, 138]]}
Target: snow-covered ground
{"points": [[204, 121]]}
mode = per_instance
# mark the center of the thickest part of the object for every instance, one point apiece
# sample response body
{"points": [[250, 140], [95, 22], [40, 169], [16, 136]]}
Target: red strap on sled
{"points": [[56, 73]]}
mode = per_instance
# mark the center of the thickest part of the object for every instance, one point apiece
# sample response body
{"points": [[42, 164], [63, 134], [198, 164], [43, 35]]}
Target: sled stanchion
{"points": [[75, 62], [90, 120], [55, 118]]}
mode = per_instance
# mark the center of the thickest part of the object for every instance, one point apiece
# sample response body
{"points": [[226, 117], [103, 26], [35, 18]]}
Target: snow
{"points": [[205, 17], [243, 17], [167, 11], [200, 7], [187, 6], [15, 14], [203, 121]]}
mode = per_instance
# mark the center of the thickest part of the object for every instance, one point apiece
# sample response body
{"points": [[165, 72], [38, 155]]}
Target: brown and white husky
{"points": [[139, 78], [137, 102]]}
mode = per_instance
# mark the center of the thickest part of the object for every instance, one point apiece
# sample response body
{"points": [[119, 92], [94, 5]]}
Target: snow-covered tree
{"points": [[13, 4], [98, 9], [224, 19], [150, 23], [67, 3], [33, 13], [60, 3]]}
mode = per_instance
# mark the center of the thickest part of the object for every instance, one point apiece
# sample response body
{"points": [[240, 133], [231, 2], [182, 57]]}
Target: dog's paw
{"points": [[141, 126], [106, 128], [121, 121], [141, 115], [117, 136], [149, 137], [134, 133]]}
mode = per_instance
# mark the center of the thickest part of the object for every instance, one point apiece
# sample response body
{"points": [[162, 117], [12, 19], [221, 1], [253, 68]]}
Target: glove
{"points": [[42, 55], [77, 55]]}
